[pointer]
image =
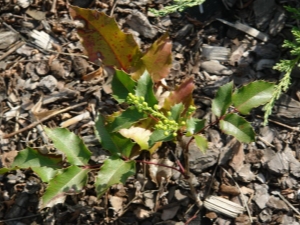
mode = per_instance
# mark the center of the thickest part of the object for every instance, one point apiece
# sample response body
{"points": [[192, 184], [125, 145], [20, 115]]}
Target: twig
{"points": [[5, 136], [19, 218], [242, 195], [18, 45], [113, 8], [282, 124], [53, 8], [286, 201]]}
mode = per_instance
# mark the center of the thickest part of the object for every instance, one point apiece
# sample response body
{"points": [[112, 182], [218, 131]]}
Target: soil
{"points": [[43, 78]]}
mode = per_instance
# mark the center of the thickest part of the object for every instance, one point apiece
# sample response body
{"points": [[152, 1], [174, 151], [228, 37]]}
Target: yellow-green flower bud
{"points": [[156, 107], [166, 133], [169, 113], [175, 134]]}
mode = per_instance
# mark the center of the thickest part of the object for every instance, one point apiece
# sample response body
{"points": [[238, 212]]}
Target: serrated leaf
{"points": [[194, 125], [201, 142], [182, 94], [113, 142], [138, 134], [29, 157], [70, 144], [176, 111], [158, 59], [144, 88], [238, 127], [158, 135], [103, 39], [45, 173], [71, 181], [252, 95], [122, 85], [113, 171], [222, 100], [126, 119]]}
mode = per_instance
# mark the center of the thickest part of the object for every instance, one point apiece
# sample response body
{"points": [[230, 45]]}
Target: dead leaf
{"points": [[95, 74], [157, 173], [139, 135]]}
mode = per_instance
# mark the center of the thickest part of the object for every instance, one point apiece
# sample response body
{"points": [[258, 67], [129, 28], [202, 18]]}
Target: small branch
{"points": [[6, 136]]}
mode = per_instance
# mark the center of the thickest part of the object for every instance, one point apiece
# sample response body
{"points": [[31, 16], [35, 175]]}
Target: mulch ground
{"points": [[42, 66]]}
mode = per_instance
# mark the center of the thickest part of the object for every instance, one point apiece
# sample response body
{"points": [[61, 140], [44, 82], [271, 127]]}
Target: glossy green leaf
{"points": [[194, 125], [201, 142], [176, 111], [70, 181], [113, 142], [113, 171], [29, 157], [103, 39], [144, 88], [122, 85], [222, 100], [252, 95], [126, 119], [158, 135], [238, 127], [70, 144], [45, 173], [158, 59]]}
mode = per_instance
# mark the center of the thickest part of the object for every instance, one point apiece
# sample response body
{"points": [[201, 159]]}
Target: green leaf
{"points": [[176, 111], [158, 135], [252, 95], [29, 157], [194, 125], [45, 173], [201, 142], [5, 170], [144, 88], [126, 119], [222, 100], [115, 143], [158, 59], [238, 127], [113, 171], [122, 85], [71, 180], [70, 144], [102, 38]]}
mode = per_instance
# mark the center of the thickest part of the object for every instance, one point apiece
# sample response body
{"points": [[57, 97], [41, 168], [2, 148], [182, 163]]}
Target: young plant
{"points": [[148, 120], [285, 66], [178, 6]]}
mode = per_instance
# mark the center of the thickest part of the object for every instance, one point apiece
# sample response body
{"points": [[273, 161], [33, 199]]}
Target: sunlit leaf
{"points": [[238, 127], [176, 111], [70, 144], [103, 39], [70, 181], [158, 59], [113, 171], [182, 94], [159, 135], [222, 100], [45, 173], [201, 142], [252, 95], [138, 134]]}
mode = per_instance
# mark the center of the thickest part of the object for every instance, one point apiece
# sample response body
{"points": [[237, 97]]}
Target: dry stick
{"points": [[53, 8], [5, 136], [242, 195], [113, 8], [282, 124], [18, 45]]}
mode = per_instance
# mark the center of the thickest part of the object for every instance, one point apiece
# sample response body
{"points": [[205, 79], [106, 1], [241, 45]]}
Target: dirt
{"points": [[45, 79]]}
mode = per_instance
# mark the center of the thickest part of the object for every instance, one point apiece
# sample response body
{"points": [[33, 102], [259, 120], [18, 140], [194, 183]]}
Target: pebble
{"points": [[214, 67], [48, 83], [261, 196]]}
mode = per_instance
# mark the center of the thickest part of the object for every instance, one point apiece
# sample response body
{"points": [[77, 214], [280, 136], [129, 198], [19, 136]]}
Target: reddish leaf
{"points": [[158, 59], [103, 39], [182, 94]]}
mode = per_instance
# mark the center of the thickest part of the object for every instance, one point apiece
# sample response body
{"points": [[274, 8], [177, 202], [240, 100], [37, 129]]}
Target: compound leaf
{"points": [[222, 100], [70, 144], [238, 127], [113, 171], [71, 180], [252, 95]]}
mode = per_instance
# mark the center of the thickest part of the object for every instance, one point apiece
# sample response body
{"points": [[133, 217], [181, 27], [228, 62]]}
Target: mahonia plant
{"points": [[150, 118], [285, 66]]}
